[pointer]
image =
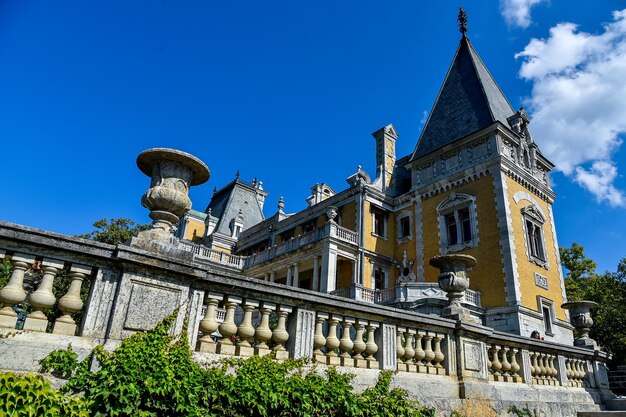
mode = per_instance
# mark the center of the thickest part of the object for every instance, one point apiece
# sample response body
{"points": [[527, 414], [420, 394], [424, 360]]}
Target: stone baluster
{"points": [[569, 372], [439, 356], [359, 345], [280, 335], [371, 348], [228, 328], [43, 299], [496, 365], [400, 347], [246, 330], [13, 293], [71, 303], [319, 341], [429, 354], [345, 343], [543, 371], [553, 371], [534, 366], [420, 354], [263, 333], [506, 365], [208, 325], [515, 367], [332, 342], [488, 356], [409, 351]]}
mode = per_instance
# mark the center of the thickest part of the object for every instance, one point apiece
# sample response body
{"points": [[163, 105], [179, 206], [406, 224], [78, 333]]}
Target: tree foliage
{"points": [[153, 374], [115, 231], [608, 289]]}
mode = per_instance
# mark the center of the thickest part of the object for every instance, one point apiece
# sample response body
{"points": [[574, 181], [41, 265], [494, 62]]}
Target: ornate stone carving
{"points": [[454, 281], [405, 268], [580, 317], [172, 172]]}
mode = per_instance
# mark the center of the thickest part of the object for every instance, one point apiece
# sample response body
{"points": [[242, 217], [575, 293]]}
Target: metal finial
{"points": [[462, 19], [237, 175]]}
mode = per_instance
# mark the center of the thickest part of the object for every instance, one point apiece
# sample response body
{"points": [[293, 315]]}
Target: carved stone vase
{"points": [[453, 279], [580, 317], [172, 172], [331, 213]]}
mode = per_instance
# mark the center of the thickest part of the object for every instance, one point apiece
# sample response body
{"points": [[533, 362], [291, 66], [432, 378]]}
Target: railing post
{"points": [[386, 341], [280, 335], [208, 325], [301, 330], [263, 333]]}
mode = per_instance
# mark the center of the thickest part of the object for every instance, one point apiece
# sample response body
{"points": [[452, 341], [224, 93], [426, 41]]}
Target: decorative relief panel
{"points": [[148, 305], [541, 281], [473, 357]]}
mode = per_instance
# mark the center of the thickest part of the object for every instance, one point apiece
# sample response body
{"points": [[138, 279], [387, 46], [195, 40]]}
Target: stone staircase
{"points": [[617, 406], [617, 380]]}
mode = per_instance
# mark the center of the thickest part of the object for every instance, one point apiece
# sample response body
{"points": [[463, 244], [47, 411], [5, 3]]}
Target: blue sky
{"points": [[289, 92]]}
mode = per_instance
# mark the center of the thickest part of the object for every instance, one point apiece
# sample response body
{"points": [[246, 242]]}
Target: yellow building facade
{"points": [[475, 184]]}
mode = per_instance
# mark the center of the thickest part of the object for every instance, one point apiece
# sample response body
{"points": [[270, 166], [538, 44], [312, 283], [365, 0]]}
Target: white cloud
{"points": [[517, 12], [578, 101], [599, 180]]}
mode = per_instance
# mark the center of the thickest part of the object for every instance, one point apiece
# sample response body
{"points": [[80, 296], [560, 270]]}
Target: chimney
{"points": [[385, 153]]}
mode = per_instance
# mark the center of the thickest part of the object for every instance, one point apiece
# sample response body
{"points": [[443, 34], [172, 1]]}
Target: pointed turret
{"points": [[469, 100]]}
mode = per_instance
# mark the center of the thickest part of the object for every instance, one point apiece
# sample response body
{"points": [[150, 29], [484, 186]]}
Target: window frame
{"points": [[377, 210], [533, 222], [549, 321], [452, 207], [400, 218]]}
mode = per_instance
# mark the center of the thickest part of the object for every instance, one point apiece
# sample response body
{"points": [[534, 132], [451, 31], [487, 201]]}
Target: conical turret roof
{"points": [[469, 100]]}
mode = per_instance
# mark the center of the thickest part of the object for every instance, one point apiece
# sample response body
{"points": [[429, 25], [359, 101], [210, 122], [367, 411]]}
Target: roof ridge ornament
{"points": [[462, 19]]}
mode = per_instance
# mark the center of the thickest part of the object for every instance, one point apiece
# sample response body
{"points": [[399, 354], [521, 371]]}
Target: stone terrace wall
{"points": [[445, 363]]}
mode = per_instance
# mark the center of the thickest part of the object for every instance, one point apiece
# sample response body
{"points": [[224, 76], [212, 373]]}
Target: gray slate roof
{"points": [[469, 100]]}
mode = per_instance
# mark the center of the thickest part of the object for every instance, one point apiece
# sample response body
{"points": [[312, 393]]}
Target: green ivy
{"points": [[153, 374], [522, 412], [31, 395]]}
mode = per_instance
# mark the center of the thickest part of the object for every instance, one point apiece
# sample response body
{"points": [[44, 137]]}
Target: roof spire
{"points": [[462, 19]]}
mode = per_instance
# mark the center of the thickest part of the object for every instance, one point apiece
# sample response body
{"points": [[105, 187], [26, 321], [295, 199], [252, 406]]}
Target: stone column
{"points": [[273, 276], [13, 293], [316, 273], [208, 325], [246, 330], [289, 276], [355, 272], [43, 299], [266, 277], [228, 328], [296, 275], [328, 278], [71, 303]]}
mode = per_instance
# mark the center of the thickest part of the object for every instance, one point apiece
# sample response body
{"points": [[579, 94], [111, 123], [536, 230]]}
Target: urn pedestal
{"points": [[454, 281], [580, 317], [172, 172]]}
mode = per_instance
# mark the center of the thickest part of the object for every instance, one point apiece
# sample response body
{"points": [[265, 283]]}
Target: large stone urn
{"points": [[454, 281], [580, 317], [172, 172]]}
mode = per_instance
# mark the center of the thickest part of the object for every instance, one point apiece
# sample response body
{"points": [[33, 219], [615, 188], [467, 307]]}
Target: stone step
{"points": [[616, 404], [601, 414]]}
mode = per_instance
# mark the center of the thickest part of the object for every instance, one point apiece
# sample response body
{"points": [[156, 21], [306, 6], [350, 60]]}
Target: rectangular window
{"points": [[535, 240], [452, 230], [547, 319], [379, 279], [405, 227], [379, 223], [466, 225]]}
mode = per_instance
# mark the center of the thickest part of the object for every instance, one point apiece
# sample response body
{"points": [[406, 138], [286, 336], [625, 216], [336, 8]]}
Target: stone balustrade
{"points": [[13, 294], [233, 315], [420, 351]]}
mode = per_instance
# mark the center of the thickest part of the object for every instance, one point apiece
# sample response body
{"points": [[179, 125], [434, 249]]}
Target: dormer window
{"points": [[458, 227]]}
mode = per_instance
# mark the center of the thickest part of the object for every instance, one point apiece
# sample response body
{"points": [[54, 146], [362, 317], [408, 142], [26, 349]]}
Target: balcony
{"points": [[332, 230], [409, 292]]}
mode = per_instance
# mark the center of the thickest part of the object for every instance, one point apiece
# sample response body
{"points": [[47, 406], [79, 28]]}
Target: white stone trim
{"points": [[557, 253], [523, 195], [525, 216], [419, 237], [512, 285]]}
